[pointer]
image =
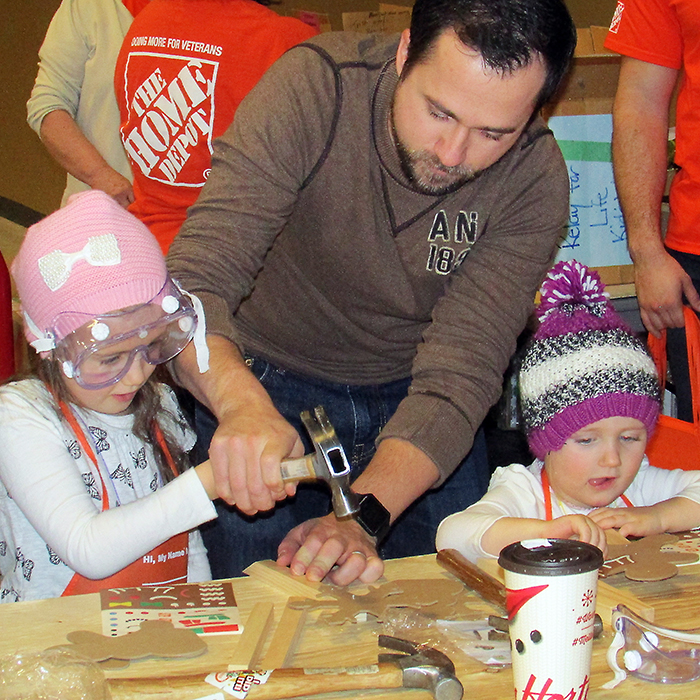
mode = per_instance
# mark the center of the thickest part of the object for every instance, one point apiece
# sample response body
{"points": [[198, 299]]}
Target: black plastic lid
{"points": [[550, 557]]}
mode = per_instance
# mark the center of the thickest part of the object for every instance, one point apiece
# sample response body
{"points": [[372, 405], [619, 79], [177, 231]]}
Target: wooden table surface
{"points": [[34, 626]]}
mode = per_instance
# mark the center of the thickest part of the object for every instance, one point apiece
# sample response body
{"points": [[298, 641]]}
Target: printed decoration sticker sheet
{"points": [[207, 608]]}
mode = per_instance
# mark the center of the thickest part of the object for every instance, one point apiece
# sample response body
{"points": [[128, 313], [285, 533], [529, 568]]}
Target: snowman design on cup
{"points": [[551, 613]]}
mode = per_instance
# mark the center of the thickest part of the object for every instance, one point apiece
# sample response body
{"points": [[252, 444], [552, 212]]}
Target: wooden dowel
{"points": [[487, 586]]}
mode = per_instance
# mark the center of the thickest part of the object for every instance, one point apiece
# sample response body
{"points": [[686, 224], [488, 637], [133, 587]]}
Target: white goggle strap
{"points": [[43, 343], [617, 643], [200, 332]]}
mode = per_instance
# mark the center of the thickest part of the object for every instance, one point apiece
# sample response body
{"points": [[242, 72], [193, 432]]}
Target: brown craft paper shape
{"points": [[644, 560], [155, 638]]}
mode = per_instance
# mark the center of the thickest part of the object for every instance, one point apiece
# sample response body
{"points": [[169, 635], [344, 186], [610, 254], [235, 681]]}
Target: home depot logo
{"points": [[617, 17], [170, 115]]}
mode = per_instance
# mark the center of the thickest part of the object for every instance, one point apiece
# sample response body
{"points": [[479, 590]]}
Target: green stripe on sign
{"points": [[593, 151]]}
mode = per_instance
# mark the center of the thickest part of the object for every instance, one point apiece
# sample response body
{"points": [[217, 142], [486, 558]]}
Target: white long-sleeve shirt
{"points": [[51, 523], [516, 492]]}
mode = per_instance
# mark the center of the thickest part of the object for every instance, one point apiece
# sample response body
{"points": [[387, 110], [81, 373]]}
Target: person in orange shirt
{"points": [[657, 39], [184, 67]]}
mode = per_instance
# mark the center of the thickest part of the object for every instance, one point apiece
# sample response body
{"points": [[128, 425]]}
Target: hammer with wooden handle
{"points": [[417, 666]]}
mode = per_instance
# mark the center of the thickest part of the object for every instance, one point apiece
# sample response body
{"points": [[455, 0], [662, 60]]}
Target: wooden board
{"points": [[284, 642], [251, 642]]}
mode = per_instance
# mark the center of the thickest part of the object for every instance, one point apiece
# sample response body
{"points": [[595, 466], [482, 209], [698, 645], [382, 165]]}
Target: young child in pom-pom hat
{"points": [[590, 398]]}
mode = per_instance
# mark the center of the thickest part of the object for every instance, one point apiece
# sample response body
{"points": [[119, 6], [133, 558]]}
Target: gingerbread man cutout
{"points": [[644, 560], [154, 638]]}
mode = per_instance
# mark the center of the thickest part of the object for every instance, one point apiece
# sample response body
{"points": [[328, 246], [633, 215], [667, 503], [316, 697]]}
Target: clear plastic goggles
{"points": [[101, 351], [652, 653]]}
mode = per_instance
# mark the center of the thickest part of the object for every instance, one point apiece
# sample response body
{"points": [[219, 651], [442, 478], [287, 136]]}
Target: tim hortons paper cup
{"points": [[551, 590]]}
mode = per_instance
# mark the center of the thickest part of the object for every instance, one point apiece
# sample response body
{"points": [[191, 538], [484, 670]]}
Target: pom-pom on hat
{"points": [[91, 257], [583, 364]]}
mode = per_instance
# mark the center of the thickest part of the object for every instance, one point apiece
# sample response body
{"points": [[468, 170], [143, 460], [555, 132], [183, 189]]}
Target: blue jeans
{"points": [[358, 413]]}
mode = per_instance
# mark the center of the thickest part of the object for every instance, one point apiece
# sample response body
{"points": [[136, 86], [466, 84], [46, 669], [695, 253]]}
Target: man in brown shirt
{"points": [[376, 224]]}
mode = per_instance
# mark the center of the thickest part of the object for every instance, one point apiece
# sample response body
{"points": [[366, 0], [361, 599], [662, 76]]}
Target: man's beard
{"points": [[426, 172]]}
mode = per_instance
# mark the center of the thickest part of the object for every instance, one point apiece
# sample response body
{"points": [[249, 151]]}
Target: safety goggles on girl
{"points": [[101, 350]]}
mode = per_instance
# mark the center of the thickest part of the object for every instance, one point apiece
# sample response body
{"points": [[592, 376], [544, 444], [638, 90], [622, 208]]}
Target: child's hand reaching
{"points": [[638, 522], [505, 531], [576, 527]]}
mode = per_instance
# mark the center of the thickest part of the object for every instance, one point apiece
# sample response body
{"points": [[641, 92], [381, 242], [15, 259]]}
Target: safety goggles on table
{"points": [[650, 652], [101, 351]]}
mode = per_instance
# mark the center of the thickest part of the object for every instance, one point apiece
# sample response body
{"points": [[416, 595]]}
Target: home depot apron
{"points": [[166, 563]]}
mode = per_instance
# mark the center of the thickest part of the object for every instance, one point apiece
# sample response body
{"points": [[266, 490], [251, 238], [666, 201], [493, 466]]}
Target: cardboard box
{"points": [[389, 19], [318, 20]]}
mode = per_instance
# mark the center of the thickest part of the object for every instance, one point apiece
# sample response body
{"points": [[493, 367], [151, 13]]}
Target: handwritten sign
{"points": [[595, 234]]}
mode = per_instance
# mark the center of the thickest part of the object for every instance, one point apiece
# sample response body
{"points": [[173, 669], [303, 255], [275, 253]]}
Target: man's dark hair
{"points": [[507, 33]]}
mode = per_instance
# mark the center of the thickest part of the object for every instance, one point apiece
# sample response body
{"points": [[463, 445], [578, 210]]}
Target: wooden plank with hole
{"points": [[285, 639], [250, 645]]}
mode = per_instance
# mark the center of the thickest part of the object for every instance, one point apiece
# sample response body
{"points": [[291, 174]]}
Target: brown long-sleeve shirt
{"points": [[310, 248]]}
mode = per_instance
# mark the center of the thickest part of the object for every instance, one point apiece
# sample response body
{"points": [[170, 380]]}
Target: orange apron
{"points": [[548, 497], [164, 564]]}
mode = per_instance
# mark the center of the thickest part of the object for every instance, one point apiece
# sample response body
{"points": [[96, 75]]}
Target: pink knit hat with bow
{"points": [[89, 258]]}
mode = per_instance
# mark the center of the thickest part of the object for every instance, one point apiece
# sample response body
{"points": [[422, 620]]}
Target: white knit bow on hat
{"points": [[100, 251]]}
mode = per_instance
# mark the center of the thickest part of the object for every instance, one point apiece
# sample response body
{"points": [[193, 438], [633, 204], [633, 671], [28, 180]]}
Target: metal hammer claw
{"points": [[423, 667], [331, 465]]}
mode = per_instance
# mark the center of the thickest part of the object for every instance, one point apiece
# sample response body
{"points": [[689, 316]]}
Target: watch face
{"points": [[373, 516]]}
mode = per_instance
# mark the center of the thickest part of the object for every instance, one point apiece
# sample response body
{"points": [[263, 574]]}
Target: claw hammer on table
{"points": [[328, 463], [417, 666]]}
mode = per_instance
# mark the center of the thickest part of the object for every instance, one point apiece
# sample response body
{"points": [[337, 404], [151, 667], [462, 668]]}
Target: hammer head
{"points": [[330, 463], [423, 667]]}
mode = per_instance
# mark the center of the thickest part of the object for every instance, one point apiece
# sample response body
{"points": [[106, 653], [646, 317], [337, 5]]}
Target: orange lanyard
{"points": [[90, 453], [546, 491]]}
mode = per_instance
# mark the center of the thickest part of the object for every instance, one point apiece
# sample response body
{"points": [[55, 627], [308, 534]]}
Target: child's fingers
{"points": [[578, 527], [610, 520], [603, 514]]}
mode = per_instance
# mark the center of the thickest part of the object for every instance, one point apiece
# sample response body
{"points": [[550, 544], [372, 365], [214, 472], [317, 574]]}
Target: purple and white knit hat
{"points": [[583, 363]]}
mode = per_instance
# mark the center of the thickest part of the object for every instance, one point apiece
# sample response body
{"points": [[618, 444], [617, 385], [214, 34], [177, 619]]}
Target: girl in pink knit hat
{"points": [[93, 488], [590, 399]]}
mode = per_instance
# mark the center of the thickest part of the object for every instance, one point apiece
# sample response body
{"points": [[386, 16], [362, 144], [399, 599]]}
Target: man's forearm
{"points": [[227, 385], [397, 475], [640, 142]]}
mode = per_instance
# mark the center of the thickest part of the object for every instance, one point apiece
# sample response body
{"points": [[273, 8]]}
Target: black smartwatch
{"points": [[373, 516]]}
